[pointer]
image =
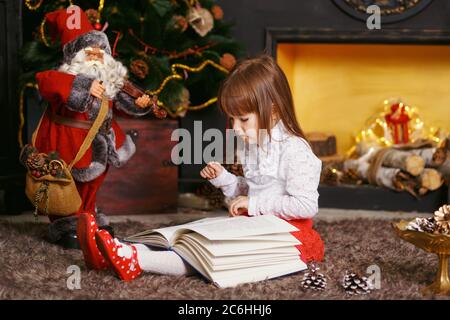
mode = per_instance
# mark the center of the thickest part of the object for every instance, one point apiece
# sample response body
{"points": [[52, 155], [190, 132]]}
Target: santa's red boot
{"points": [[125, 265], [86, 229]]}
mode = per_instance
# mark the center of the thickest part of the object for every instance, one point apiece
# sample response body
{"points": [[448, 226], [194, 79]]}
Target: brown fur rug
{"points": [[31, 268]]}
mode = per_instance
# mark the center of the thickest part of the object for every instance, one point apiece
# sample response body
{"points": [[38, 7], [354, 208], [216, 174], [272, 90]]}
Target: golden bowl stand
{"points": [[433, 243]]}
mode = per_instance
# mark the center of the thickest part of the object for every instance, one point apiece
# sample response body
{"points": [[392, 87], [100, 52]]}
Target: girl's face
{"points": [[246, 127]]}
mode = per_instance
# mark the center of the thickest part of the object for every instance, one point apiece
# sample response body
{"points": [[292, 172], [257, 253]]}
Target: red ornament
{"points": [[398, 120], [98, 26]]}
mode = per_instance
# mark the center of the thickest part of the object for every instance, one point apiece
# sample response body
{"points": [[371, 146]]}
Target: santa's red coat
{"points": [[55, 87]]}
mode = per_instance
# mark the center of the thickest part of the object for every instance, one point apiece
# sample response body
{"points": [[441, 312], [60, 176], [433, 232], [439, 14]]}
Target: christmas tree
{"points": [[179, 50]]}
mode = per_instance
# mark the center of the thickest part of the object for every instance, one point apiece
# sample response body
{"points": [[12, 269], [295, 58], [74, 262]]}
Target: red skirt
{"points": [[312, 247]]}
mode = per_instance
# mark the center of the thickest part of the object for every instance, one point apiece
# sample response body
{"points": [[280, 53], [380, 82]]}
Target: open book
{"points": [[231, 250]]}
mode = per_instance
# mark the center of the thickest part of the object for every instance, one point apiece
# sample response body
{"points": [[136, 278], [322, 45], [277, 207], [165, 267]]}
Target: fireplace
{"points": [[339, 79], [338, 87]]}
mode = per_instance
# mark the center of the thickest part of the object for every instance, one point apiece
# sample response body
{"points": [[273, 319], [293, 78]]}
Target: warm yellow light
{"points": [[363, 80]]}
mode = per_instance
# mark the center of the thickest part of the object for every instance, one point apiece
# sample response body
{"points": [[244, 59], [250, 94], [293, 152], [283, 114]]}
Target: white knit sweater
{"points": [[281, 177]]}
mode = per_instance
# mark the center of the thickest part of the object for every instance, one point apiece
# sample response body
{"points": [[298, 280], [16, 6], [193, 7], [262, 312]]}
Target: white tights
{"points": [[158, 261]]}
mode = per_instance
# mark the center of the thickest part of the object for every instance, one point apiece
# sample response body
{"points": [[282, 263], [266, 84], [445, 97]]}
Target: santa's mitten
{"points": [[86, 228], [121, 257]]}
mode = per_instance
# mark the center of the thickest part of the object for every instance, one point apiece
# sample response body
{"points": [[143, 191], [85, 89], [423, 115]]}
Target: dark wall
{"points": [[11, 173], [252, 17], [10, 41], [210, 117]]}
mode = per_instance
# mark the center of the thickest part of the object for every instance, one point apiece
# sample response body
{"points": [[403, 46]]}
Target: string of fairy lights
{"points": [[376, 131]]}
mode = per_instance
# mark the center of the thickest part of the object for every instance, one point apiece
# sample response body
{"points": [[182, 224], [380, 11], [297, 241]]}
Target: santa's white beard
{"points": [[111, 72]]}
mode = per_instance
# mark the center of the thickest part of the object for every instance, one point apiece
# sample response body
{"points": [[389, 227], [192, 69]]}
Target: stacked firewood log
{"points": [[417, 167], [324, 146]]}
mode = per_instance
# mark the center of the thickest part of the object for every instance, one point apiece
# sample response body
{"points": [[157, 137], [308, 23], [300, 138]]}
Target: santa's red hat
{"points": [[74, 29]]}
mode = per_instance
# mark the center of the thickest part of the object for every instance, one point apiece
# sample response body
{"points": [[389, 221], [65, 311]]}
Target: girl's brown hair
{"points": [[257, 85]]}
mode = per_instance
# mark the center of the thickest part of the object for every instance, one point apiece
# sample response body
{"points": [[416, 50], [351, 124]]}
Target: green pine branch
{"points": [[153, 22]]}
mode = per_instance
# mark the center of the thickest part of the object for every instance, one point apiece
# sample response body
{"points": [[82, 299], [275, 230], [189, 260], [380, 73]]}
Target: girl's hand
{"points": [[212, 170], [238, 206]]}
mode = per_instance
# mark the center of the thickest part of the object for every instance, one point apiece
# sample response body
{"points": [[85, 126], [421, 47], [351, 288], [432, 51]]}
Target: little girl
{"points": [[280, 178]]}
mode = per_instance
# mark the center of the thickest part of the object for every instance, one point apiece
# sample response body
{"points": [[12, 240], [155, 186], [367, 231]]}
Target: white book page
{"points": [[155, 240], [209, 220], [282, 237], [194, 259], [169, 233], [253, 264], [231, 247], [236, 261], [149, 236], [234, 277], [236, 227], [257, 274], [230, 261], [198, 261], [223, 228], [280, 250]]}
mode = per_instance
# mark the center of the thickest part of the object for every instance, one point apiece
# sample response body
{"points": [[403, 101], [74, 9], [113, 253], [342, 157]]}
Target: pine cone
{"points": [[314, 280], [25, 153], [214, 196], [442, 219], [35, 161], [355, 284], [350, 176], [139, 68], [422, 225], [330, 176]]}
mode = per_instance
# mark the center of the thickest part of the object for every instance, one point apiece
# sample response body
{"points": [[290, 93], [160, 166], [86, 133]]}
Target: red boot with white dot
{"points": [[86, 228], [121, 257]]}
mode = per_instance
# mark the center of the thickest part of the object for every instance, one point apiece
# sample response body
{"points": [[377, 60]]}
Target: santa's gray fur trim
{"points": [[79, 97], [118, 157], [98, 164], [90, 39]]}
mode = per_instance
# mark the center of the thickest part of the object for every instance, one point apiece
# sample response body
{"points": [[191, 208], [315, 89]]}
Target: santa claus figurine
{"points": [[74, 93]]}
